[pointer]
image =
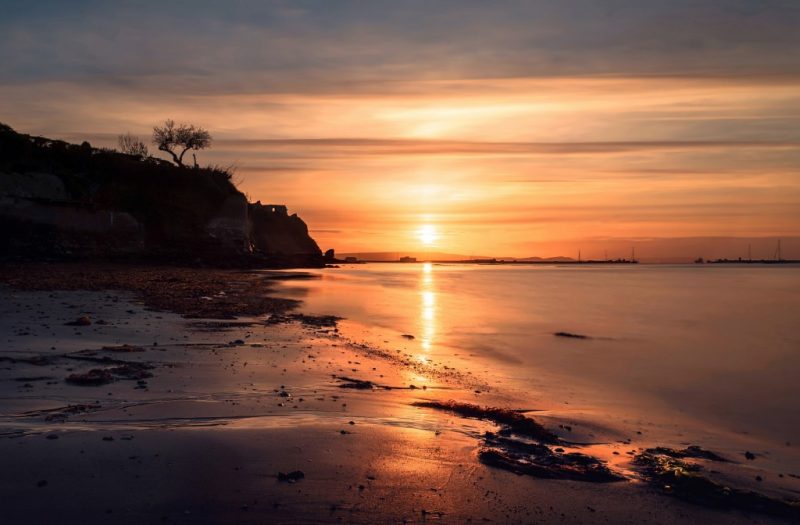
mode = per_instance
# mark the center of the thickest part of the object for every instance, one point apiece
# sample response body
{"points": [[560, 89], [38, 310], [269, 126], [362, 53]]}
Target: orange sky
{"points": [[437, 155]]}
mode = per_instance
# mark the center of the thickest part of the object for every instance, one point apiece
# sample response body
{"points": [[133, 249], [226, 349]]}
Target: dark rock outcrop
{"points": [[281, 237], [230, 225], [62, 200]]}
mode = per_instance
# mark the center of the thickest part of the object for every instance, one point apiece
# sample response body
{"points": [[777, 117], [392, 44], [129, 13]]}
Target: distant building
{"points": [[407, 259]]}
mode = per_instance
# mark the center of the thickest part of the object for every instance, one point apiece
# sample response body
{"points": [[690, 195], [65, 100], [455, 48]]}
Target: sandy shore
{"points": [[195, 417]]}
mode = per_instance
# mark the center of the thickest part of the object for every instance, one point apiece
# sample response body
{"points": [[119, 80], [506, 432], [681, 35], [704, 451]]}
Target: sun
{"points": [[427, 234]]}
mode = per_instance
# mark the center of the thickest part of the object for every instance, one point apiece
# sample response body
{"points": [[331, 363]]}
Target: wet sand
{"points": [[197, 418]]}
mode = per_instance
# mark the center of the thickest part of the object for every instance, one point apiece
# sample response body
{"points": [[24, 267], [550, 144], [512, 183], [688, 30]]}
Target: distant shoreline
{"points": [[582, 263]]}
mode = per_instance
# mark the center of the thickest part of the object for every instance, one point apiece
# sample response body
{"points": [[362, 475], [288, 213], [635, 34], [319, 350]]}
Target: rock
{"points": [[137, 371], [83, 320], [230, 226], [122, 348], [33, 185], [276, 234], [94, 377], [292, 477]]}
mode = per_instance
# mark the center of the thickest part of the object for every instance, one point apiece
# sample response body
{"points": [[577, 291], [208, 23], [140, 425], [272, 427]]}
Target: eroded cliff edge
{"points": [[67, 201]]}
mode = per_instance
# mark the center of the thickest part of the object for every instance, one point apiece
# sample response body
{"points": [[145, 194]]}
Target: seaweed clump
{"points": [[94, 377], [312, 321], [102, 376], [541, 461], [571, 335], [522, 446], [511, 421], [692, 451], [358, 384], [667, 469]]}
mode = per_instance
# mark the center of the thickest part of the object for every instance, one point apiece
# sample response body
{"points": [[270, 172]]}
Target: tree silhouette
{"points": [[178, 139], [131, 145]]}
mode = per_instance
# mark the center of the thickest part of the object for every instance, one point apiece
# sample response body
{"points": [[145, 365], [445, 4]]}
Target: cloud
{"points": [[536, 119], [367, 146], [319, 41]]}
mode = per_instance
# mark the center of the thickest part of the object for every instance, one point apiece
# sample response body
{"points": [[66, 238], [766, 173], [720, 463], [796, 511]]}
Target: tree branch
{"points": [[177, 160], [180, 159]]}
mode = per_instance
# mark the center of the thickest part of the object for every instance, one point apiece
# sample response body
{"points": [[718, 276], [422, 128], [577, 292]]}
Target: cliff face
{"points": [[65, 200], [281, 236]]}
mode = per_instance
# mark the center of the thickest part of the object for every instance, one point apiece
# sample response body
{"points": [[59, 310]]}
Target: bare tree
{"points": [[177, 139], [131, 145]]}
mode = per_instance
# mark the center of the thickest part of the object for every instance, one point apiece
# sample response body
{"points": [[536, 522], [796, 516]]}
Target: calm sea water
{"points": [[716, 346]]}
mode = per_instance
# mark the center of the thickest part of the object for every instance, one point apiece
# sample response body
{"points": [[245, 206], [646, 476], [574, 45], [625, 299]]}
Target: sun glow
{"points": [[427, 234]]}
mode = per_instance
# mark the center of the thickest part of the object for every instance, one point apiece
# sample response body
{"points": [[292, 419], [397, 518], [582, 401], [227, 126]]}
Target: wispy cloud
{"points": [[537, 120]]}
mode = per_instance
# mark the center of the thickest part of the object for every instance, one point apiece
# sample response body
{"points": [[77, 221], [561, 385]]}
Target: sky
{"points": [[479, 128]]}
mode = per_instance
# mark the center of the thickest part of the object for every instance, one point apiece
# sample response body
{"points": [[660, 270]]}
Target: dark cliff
{"points": [[280, 236], [61, 200]]}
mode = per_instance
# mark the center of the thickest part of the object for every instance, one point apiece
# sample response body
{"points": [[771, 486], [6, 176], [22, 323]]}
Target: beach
{"points": [[184, 395]]}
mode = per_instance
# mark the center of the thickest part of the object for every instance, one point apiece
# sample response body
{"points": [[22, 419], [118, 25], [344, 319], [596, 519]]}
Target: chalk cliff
{"points": [[62, 200]]}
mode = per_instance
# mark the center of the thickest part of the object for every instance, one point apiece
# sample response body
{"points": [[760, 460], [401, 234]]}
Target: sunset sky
{"points": [[478, 128]]}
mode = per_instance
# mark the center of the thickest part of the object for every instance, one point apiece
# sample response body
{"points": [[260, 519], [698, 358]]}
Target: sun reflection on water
{"points": [[427, 309]]}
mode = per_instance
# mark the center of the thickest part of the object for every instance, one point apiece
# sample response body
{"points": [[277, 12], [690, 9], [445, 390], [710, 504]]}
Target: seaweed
{"points": [[512, 421], [94, 377], [123, 348], [314, 321], [102, 376], [571, 335], [688, 481], [541, 461], [692, 451], [358, 384]]}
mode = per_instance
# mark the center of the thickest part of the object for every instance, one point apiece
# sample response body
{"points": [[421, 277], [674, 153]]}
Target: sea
{"points": [[688, 353]]}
